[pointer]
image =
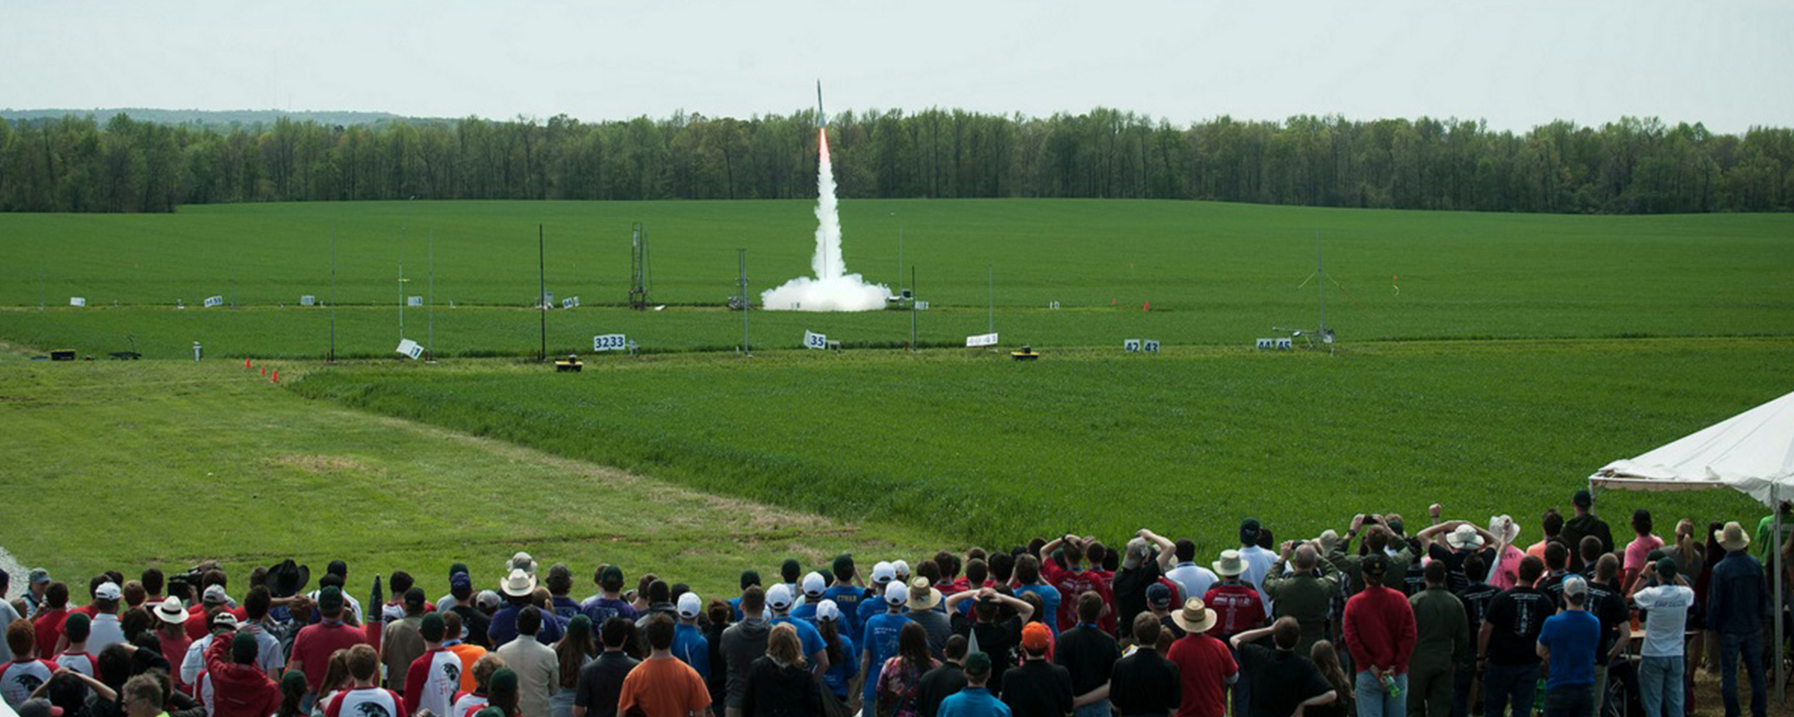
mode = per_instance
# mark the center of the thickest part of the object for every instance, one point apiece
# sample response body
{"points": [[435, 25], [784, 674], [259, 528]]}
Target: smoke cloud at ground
{"points": [[832, 288]]}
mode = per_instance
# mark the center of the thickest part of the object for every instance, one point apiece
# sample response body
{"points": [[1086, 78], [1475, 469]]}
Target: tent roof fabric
{"points": [[1752, 452]]}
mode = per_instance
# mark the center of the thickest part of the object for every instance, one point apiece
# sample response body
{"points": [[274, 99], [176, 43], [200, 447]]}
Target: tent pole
{"points": [[1781, 679]]}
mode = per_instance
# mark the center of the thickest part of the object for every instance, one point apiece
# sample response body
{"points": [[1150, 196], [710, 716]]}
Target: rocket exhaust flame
{"points": [[832, 288]]}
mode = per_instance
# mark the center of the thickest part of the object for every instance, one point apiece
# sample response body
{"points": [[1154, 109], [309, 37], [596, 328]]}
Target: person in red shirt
{"points": [[48, 622], [1205, 665], [1238, 607], [314, 644], [1073, 581], [239, 687], [1380, 632]]}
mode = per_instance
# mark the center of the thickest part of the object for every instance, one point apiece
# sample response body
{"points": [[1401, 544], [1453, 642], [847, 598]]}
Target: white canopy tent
{"points": [[1752, 452]]}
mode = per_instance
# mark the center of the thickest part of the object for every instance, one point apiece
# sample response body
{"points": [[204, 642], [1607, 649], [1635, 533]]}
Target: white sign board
{"points": [[609, 342], [1285, 344], [548, 299], [973, 342], [1131, 346], [77, 301], [212, 301], [813, 340], [1150, 346], [569, 302], [414, 301], [308, 300], [410, 348], [921, 306]]}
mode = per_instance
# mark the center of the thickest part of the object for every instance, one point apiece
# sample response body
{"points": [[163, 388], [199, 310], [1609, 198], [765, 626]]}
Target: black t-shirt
{"points": [[1476, 598], [1000, 640], [1177, 631], [936, 685], [475, 622], [1038, 689], [1130, 586], [1518, 616], [1606, 604], [1455, 579], [1145, 683], [601, 683], [1089, 654], [1553, 585], [1280, 679]]}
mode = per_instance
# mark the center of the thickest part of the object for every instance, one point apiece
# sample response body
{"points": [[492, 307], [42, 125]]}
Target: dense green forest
{"points": [[79, 164]]}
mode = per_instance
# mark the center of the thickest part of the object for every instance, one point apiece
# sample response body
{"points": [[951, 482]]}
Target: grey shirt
{"points": [[743, 643]]}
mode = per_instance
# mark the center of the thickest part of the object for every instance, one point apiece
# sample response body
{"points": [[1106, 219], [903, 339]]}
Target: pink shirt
{"points": [[1638, 550], [1507, 569]]}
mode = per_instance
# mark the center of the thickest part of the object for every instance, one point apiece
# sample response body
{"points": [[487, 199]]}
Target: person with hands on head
{"points": [[1665, 597], [1303, 587], [1285, 681]]}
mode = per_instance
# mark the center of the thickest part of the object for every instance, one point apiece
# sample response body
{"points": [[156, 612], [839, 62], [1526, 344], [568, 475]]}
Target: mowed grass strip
{"points": [[115, 465], [987, 450]]}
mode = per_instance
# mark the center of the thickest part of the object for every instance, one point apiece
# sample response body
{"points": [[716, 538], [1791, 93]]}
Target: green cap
{"points": [[977, 664]]}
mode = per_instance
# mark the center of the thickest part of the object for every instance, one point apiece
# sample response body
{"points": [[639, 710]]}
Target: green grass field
{"points": [[1521, 353]]}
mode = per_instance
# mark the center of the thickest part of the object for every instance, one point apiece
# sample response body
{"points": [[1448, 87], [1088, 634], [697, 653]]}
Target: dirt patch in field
{"points": [[315, 463]]}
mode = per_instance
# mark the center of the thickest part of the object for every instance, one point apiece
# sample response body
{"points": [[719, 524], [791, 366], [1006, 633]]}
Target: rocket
{"points": [[821, 118]]}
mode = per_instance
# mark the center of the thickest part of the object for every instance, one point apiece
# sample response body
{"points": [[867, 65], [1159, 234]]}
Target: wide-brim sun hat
{"points": [[923, 596], [1231, 564], [1732, 537], [519, 583], [1513, 531], [1194, 616], [1464, 536], [172, 611]]}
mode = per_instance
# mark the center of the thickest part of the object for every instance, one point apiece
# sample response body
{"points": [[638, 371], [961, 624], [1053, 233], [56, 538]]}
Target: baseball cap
{"points": [[827, 611], [456, 569], [901, 567], [487, 599], [1583, 498], [224, 620], [1249, 531], [779, 597], [884, 572], [896, 593], [214, 595], [461, 581], [1575, 585], [611, 578], [1157, 595], [1036, 637], [1375, 565], [1666, 568], [330, 598], [38, 707], [110, 591], [690, 605], [814, 584], [977, 664], [38, 575]]}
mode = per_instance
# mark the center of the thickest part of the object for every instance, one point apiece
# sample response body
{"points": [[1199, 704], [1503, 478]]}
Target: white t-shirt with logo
{"points": [[1666, 618], [366, 702]]}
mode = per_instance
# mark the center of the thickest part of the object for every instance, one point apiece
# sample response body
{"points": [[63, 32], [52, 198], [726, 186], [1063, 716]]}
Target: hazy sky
{"points": [[1515, 64]]}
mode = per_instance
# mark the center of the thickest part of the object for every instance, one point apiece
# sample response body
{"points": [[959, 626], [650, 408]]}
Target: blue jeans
{"points": [[1460, 689], [1375, 701], [1660, 685], [1504, 684], [1751, 646]]}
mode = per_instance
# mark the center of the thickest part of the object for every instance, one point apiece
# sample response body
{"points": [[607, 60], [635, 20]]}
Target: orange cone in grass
{"points": [[1146, 308], [276, 377], [246, 363], [264, 370]]}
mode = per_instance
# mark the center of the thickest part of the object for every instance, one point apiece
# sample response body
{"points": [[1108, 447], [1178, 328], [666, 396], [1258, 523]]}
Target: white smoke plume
{"points": [[832, 289]]}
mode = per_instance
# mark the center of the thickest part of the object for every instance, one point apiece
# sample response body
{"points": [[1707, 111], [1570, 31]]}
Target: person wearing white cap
{"points": [[842, 665], [106, 628], [1568, 644], [779, 599], [814, 585], [874, 601], [878, 641], [222, 622], [518, 588], [689, 643]]}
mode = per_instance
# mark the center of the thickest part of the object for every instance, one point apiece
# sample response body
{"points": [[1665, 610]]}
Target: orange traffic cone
{"points": [[276, 378], [1146, 308], [246, 363], [264, 370]]}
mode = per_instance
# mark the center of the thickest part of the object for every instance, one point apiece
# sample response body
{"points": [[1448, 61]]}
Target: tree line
{"points": [[79, 164]]}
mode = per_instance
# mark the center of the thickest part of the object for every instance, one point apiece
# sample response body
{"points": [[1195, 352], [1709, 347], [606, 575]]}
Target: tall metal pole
{"points": [[1781, 674], [1320, 273], [542, 287], [40, 283], [430, 340], [332, 357], [741, 259], [900, 262], [991, 276], [912, 309], [401, 284]]}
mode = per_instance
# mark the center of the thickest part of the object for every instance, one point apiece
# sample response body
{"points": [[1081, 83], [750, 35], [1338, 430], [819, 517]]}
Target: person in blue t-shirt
{"points": [[609, 602], [689, 643], [1568, 642], [846, 593], [1027, 573], [779, 599], [814, 586], [749, 578], [883, 574], [974, 700], [843, 664], [878, 642]]}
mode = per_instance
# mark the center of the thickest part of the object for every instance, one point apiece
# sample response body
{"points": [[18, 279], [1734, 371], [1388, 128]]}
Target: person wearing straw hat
{"points": [[1238, 607], [518, 590], [1738, 603], [923, 599], [1205, 665], [1380, 632]]}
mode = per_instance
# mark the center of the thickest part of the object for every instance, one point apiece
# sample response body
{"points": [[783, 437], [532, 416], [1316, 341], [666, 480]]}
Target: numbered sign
{"points": [[77, 301], [548, 299], [921, 306], [1054, 306], [610, 342], [1267, 344], [1131, 346], [212, 301], [813, 340], [1149, 346], [414, 301], [410, 349], [308, 300], [1285, 344], [569, 302], [973, 342]]}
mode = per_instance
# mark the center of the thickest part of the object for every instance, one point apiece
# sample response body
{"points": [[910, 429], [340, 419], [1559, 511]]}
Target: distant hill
{"points": [[211, 118]]}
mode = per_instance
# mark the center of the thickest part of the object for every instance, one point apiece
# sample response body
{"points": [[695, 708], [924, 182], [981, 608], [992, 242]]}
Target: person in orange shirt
{"points": [[663, 686]]}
